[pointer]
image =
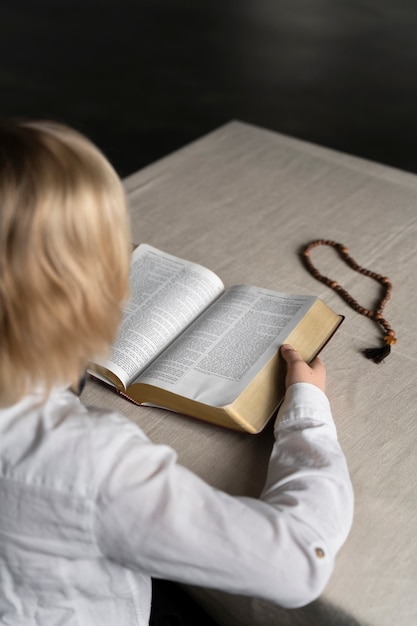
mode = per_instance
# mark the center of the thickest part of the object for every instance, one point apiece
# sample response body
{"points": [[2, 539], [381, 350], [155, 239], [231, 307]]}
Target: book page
{"points": [[220, 353], [166, 294]]}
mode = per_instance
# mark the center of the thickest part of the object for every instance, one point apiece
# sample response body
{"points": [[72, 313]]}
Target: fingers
{"points": [[290, 354], [317, 364], [299, 371]]}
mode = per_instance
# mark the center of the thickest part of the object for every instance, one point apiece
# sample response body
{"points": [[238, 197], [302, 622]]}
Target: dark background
{"points": [[144, 77]]}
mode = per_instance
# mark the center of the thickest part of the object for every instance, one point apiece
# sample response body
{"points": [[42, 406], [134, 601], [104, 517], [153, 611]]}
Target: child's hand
{"points": [[299, 372]]}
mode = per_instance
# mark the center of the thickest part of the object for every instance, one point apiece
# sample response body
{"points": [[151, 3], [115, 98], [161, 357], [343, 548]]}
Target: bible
{"points": [[191, 346]]}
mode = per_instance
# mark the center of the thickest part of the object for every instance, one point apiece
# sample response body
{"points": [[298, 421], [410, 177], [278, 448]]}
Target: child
{"points": [[90, 509]]}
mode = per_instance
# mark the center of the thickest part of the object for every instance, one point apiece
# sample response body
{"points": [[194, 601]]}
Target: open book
{"points": [[188, 345]]}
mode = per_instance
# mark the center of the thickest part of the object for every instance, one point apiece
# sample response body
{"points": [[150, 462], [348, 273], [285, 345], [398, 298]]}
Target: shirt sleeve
{"points": [[155, 516]]}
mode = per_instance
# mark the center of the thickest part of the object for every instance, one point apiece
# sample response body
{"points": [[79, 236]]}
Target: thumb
{"points": [[290, 354]]}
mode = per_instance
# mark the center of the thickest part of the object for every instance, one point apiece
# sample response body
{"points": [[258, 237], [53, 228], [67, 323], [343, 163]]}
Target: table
{"points": [[242, 201]]}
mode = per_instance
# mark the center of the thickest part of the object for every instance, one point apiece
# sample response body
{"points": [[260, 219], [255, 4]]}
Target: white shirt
{"points": [[90, 509]]}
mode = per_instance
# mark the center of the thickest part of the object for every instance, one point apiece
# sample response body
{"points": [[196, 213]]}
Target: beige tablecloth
{"points": [[242, 201]]}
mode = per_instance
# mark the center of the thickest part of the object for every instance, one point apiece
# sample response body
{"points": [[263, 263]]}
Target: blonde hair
{"points": [[64, 256]]}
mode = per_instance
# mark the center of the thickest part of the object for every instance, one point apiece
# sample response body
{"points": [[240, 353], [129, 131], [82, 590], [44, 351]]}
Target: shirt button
{"points": [[320, 554]]}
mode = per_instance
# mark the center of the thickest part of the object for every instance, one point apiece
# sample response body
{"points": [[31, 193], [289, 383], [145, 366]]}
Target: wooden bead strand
{"points": [[376, 354]]}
